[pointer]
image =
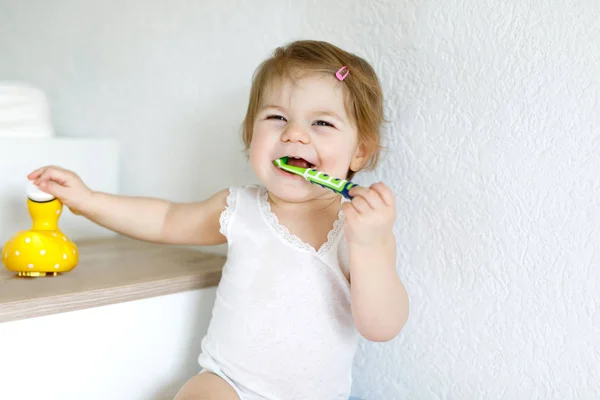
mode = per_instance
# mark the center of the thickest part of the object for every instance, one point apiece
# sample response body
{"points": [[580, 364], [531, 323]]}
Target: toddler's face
{"points": [[305, 119]]}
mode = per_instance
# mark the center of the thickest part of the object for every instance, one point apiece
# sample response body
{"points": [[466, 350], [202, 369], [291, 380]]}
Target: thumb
{"points": [[348, 209], [53, 188]]}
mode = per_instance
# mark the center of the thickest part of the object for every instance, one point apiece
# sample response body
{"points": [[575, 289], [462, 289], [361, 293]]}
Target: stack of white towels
{"points": [[24, 111]]}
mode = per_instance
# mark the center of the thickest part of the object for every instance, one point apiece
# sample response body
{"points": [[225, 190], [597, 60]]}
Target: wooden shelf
{"points": [[110, 270]]}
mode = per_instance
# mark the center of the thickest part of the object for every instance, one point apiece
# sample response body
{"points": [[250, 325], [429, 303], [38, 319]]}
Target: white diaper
{"points": [[209, 365]]}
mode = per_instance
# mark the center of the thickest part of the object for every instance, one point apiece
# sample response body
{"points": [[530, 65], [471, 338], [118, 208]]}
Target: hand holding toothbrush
{"points": [[370, 215]]}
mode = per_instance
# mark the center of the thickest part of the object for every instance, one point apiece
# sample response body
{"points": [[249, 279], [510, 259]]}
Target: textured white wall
{"points": [[493, 150], [496, 152]]}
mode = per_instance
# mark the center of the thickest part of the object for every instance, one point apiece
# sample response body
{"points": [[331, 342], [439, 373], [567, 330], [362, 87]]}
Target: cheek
{"points": [[254, 152], [336, 163], [259, 147], [336, 156]]}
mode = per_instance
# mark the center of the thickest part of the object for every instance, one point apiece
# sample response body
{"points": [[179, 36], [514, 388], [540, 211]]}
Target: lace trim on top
{"points": [[227, 213], [292, 239]]}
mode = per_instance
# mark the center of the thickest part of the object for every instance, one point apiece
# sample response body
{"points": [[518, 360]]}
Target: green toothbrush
{"points": [[340, 186]]}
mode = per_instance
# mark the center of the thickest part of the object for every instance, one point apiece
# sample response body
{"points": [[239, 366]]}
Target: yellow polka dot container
{"points": [[44, 249]]}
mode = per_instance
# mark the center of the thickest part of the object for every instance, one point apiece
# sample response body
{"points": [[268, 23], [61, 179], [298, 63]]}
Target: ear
{"points": [[359, 159]]}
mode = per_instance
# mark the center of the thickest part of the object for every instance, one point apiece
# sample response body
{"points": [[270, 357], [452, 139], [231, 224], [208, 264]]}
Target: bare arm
{"points": [[142, 218], [195, 223], [379, 299], [158, 220]]}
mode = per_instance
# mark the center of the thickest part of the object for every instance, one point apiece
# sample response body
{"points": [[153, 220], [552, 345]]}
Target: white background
{"points": [[493, 140]]}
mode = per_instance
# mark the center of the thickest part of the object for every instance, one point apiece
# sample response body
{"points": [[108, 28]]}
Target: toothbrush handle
{"points": [[339, 186], [343, 190]]}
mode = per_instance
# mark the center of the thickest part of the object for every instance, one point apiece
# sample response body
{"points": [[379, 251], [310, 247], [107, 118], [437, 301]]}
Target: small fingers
{"points": [[350, 211], [370, 196], [53, 188], [385, 193], [35, 174], [360, 204], [54, 174]]}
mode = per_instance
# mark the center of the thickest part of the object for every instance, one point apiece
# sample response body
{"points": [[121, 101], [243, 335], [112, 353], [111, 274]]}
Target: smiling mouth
{"points": [[298, 162], [293, 166]]}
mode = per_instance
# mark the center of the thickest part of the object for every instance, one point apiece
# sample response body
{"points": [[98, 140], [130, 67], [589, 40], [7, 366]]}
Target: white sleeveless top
{"points": [[282, 326]]}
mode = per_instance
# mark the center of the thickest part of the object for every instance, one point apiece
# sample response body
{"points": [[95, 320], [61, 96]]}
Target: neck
{"points": [[44, 215]]}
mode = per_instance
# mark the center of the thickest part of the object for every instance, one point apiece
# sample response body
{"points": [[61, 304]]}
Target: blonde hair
{"points": [[364, 97]]}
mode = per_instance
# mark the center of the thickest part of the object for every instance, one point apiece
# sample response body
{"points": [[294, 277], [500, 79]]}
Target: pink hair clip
{"points": [[339, 75]]}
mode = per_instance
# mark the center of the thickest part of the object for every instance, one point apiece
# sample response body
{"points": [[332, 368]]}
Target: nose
{"points": [[295, 133]]}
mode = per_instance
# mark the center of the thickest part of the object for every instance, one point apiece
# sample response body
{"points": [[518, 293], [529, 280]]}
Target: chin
{"points": [[292, 196], [289, 189]]}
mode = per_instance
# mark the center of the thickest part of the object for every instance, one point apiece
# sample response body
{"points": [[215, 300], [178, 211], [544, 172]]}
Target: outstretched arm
{"points": [[143, 218]]}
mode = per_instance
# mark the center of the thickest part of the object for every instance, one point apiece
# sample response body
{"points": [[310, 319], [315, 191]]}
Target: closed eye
{"points": [[323, 123], [276, 117]]}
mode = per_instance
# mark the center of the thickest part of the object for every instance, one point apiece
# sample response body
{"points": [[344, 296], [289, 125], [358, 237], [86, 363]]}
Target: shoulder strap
{"points": [[238, 201]]}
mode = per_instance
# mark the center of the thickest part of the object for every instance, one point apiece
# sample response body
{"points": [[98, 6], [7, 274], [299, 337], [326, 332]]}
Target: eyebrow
{"points": [[271, 106], [330, 113]]}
